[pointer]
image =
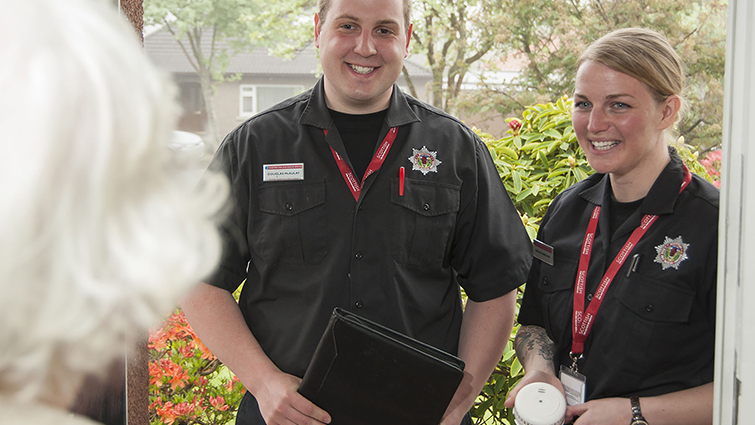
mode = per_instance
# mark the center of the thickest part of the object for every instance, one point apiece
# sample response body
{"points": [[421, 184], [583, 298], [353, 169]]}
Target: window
{"points": [[256, 98]]}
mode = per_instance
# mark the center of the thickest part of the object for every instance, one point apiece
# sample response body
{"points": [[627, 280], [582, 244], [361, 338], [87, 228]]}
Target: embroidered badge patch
{"points": [[424, 160], [671, 253]]}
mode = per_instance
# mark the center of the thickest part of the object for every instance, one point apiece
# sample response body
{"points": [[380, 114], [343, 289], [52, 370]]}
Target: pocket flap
{"points": [[427, 198], [558, 277], [290, 198], [655, 301]]}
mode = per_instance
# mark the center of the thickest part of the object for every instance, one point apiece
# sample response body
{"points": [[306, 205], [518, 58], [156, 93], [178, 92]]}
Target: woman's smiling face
{"points": [[618, 123]]}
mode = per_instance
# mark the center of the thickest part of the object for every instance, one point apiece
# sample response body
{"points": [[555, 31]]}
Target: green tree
{"points": [[548, 37], [454, 35], [210, 32]]}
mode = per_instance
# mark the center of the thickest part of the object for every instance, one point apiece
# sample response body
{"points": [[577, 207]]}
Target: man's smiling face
{"points": [[362, 46]]}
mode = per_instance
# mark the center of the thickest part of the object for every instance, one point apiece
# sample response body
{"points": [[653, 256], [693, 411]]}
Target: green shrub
{"points": [[538, 158]]}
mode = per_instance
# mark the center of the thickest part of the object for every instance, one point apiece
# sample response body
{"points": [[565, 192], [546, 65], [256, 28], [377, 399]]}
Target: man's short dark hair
{"points": [[324, 5]]}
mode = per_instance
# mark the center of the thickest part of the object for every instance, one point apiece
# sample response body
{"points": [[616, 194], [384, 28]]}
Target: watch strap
{"points": [[637, 418]]}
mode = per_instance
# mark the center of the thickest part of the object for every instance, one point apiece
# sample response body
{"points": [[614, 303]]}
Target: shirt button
{"points": [[545, 281], [426, 207], [358, 256], [589, 297], [358, 304], [289, 206], [649, 308]]}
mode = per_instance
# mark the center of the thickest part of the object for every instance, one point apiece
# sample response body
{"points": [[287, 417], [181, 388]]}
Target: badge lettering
{"points": [[282, 172]]}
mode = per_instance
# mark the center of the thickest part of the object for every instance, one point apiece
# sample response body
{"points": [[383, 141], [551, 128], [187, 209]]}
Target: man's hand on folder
{"points": [[280, 403]]}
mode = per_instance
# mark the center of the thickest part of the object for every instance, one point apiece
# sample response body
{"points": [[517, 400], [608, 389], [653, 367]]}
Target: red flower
{"points": [[155, 373], [158, 340], [515, 124], [177, 376], [167, 413], [206, 354], [219, 403], [186, 351], [179, 379], [185, 409], [157, 403]]}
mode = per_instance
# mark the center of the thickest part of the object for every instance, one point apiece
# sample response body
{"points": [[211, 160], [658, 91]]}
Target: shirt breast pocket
{"points": [[556, 285], [293, 226], [425, 217], [655, 301], [654, 321]]}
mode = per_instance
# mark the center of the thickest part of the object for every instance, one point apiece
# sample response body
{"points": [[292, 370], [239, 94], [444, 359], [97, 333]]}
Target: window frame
{"points": [[244, 93]]}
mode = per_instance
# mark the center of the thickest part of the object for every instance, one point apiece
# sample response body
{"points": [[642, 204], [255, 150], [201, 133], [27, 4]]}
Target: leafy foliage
{"points": [[211, 32], [547, 37], [538, 158], [187, 384]]}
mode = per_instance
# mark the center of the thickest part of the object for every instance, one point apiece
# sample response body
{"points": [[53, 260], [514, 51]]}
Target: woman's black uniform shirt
{"points": [[654, 332]]}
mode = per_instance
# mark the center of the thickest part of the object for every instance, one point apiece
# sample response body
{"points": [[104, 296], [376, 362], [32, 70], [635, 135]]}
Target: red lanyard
{"points": [[582, 320], [377, 161]]}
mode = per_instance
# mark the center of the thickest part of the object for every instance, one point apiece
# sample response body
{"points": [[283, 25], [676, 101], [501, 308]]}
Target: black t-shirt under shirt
{"points": [[359, 134], [621, 211]]}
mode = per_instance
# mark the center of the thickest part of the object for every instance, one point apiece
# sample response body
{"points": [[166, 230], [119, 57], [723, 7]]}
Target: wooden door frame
{"points": [[137, 358]]}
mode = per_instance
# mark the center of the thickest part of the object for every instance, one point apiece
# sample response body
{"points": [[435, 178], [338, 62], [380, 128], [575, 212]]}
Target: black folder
{"points": [[363, 373]]}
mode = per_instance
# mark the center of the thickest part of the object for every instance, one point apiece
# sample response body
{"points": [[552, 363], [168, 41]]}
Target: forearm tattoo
{"points": [[533, 340]]}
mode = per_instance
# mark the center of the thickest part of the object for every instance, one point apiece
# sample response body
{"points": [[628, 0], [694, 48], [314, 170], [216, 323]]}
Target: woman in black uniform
{"points": [[619, 309]]}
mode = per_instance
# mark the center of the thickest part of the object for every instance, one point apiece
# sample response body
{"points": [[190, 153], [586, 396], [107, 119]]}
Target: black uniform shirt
{"points": [[398, 260], [654, 332]]}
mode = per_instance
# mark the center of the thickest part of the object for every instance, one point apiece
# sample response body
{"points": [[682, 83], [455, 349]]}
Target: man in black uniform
{"points": [[355, 195]]}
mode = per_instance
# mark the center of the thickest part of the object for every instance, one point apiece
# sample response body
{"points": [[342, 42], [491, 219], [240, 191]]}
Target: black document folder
{"points": [[363, 373]]}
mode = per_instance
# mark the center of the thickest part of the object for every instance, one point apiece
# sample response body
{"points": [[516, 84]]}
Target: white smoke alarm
{"points": [[539, 403]]}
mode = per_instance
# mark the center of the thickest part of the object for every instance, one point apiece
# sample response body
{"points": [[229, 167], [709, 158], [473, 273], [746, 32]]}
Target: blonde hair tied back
{"points": [[645, 55]]}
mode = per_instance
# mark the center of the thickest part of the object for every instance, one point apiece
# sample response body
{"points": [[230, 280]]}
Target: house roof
{"points": [[167, 54]]}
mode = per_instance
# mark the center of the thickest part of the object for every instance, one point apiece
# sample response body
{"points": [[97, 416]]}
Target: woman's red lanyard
{"points": [[377, 161], [582, 320]]}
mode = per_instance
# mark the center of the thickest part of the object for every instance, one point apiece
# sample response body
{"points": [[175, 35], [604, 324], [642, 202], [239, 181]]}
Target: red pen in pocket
{"points": [[401, 173]]}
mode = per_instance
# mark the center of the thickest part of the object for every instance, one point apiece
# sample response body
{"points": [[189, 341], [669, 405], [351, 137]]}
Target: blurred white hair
{"points": [[96, 237]]}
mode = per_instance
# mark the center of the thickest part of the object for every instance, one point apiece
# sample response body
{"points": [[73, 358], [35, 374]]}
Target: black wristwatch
{"points": [[637, 418]]}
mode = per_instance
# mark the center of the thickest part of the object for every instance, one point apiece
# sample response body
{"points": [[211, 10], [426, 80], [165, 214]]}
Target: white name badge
{"points": [[543, 252], [279, 172], [575, 386]]}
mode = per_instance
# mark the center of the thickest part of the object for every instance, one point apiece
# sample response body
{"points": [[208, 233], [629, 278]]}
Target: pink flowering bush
{"points": [[712, 164], [187, 384]]}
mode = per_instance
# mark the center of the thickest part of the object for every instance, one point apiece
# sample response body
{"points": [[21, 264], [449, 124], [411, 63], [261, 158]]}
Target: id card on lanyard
{"points": [[378, 159], [582, 319]]}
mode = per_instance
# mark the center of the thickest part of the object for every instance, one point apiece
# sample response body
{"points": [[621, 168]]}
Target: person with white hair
{"points": [[99, 240]]}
